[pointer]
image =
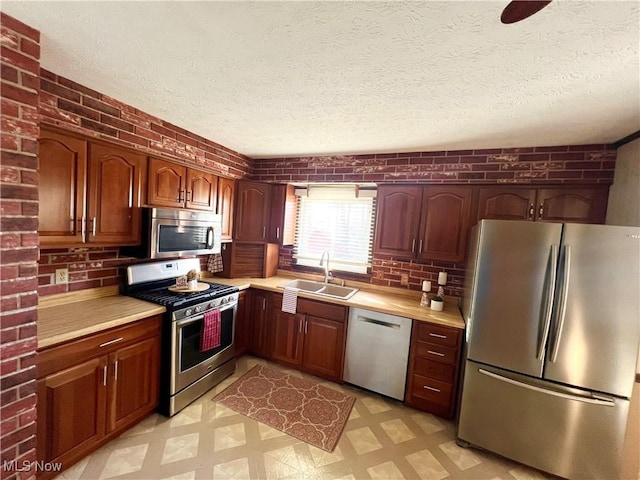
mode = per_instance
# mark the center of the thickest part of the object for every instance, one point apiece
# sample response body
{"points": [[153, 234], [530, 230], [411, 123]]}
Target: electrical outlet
{"points": [[62, 275], [404, 279]]}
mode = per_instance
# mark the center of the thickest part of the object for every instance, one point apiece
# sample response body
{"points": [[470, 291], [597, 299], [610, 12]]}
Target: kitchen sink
{"points": [[321, 289]]}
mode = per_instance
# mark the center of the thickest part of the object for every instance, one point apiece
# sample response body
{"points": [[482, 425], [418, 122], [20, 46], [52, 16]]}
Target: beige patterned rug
{"points": [[296, 406]]}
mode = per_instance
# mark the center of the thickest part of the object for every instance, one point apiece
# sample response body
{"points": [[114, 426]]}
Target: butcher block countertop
{"points": [[73, 315], [394, 301]]}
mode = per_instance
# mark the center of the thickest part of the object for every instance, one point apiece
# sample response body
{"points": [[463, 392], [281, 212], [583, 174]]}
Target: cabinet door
{"points": [[115, 185], [134, 389], [62, 169], [258, 320], [243, 332], [283, 214], [573, 205], [506, 203], [166, 184], [323, 350], [287, 336], [226, 189], [397, 220], [252, 215], [71, 407], [444, 225], [202, 189]]}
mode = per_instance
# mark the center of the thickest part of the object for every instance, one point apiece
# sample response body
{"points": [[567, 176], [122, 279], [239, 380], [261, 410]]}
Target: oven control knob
{"points": [[223, 301], [198, 309], [188, 312]]}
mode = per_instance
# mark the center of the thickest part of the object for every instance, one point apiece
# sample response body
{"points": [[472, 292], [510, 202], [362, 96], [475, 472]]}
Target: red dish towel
{"points": [[210, 335]]}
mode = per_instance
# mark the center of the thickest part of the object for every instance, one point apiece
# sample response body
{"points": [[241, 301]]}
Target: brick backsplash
{"points": [[387, 271], [88, 268], [18, 245]]}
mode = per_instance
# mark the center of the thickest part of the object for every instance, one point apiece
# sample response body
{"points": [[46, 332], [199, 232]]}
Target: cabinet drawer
{"points": [[328, 311], [323, 310], [439, 371], [59, 357], [439, 353], [432, 390], [431, 333]]}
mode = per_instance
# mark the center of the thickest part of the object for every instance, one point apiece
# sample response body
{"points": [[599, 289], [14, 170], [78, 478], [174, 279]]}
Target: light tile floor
{"points": [[383, 439]]}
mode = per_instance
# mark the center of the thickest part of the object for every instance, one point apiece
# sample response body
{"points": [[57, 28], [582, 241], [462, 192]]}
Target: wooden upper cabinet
{"points": [[176, 186], [166, 183], [253, 204], [506, 203], [429, 223], [90, 191], [444, 224], [585, 204], [283, 214], [62, 167], [115, 184], [398, 219], [226, 195], [575, 205], [202, 190]]}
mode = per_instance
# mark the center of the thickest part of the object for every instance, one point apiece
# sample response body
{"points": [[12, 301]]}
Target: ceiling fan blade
{"points": [[520, 9]]}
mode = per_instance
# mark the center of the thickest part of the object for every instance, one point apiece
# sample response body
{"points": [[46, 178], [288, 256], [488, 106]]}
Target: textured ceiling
{"points": [[301, 78]]}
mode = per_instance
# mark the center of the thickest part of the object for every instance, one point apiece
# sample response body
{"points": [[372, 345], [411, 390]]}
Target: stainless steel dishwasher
{"points": [[377, 352]]}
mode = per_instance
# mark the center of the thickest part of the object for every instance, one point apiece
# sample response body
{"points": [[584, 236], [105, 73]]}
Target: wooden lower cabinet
{"points": [[312, 340], [242, 334], [259, 341], [433, 368], [92, 389]]}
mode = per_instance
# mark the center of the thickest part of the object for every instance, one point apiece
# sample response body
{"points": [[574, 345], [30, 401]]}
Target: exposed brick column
{"points": [[20, 45]]}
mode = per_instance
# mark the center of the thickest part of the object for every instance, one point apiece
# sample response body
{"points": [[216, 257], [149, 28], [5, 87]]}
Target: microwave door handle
{"points": [[209, 238]]}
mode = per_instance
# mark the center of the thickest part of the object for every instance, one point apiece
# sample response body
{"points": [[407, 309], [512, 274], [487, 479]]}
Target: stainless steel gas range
{"points": [[188, 371]]}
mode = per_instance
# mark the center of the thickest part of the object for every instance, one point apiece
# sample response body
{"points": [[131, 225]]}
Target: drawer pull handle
{"points": [[110, 342], [433, 389], [435, 353], [437, 335]]}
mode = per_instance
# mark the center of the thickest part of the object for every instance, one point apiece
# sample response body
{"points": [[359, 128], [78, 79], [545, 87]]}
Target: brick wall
{"points": [[540, 165], [69, 105], [581, 164], [20, 46]]}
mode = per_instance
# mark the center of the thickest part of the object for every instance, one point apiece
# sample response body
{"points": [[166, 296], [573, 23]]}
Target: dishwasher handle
{"points": [[381, 323]]}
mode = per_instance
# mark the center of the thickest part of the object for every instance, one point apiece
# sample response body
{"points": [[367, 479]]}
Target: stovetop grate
{"points": [[175, 300]]}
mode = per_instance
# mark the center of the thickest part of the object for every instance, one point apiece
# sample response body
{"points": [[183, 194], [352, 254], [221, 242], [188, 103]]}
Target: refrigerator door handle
{"points": [[548, 310], [596, 400], [562, 307]]}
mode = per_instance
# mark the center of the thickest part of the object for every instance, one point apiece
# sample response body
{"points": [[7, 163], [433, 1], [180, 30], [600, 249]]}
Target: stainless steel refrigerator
{"points": [[553, 326]]}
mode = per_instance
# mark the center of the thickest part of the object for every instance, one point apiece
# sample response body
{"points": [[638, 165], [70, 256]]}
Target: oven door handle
{"points": [[200, 316]]}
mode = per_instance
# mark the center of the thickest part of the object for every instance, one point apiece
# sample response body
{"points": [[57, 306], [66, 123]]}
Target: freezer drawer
{"points": [[551, 430]]}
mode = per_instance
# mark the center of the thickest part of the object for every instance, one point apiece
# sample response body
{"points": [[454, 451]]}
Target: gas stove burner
{"points": [[176, 300]]}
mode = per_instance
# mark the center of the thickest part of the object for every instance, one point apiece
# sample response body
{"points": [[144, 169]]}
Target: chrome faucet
{"points": [[327, 274]]}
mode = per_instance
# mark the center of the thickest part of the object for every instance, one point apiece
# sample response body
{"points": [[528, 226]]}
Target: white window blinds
{"points": [[338, 220]]}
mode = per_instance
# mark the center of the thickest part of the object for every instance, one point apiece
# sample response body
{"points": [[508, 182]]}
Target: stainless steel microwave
{"points": [[171, 233]]}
